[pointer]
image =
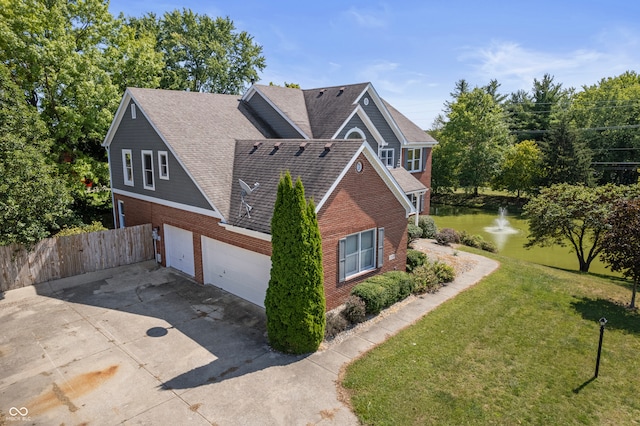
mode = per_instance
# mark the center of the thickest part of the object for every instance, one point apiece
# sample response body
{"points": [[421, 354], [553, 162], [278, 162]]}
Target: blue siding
{"points": [[381, 124], [279, 124], [357, 122], [138, 135]]}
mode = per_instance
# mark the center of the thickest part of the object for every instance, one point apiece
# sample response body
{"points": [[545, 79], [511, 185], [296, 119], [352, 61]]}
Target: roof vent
{"points": [[341, 91], [257, 144], [303, 145], [277, 145], [327, 147], [322, 92]]}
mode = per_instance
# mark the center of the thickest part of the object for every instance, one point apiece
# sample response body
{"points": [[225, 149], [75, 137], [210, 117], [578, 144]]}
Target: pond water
{"points": [[509, 232]]}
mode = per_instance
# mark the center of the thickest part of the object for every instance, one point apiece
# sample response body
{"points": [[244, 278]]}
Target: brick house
{"points": [[178, 160]]}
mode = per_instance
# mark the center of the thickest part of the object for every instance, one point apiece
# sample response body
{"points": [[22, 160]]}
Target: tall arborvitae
{"points": [[295, 302]]}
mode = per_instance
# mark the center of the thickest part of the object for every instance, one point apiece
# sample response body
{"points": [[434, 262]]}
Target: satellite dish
{"points": [[246, 190]]}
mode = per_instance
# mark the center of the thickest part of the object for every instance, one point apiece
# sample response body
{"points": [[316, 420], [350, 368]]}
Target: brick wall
{"points": [[361, 201]]}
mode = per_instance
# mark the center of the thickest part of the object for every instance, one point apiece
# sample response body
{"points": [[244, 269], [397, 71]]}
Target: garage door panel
{"points": [[241, 272], [179, 249]]}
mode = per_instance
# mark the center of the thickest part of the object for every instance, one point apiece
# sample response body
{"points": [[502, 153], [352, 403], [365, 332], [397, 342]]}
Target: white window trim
{"points": [[411, 162], [146, 184], [378, 254], [381, 150], [133, 111], [127, 181], [161, 175]]}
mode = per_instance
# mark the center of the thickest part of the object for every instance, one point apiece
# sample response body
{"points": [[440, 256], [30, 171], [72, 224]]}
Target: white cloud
{"points": [[515, 66], [367, 18]]}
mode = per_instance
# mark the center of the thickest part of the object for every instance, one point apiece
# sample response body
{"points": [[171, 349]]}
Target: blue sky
{"points": [[414, 51]]}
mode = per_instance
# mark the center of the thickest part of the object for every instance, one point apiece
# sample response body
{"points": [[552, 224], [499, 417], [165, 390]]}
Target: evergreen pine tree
{"points": [[295, 302], [566, 158]]}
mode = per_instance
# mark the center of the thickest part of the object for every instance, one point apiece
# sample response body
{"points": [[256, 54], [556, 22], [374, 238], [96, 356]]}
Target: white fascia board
{"points": [[166, 143], [245, 231], [368, 124], [381, 169], [249, 93], [419, 144], [279, 111], [117, 118], [199, 210]]}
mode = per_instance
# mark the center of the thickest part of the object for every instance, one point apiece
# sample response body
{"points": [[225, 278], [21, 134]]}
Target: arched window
{"points": [[355, 133]]}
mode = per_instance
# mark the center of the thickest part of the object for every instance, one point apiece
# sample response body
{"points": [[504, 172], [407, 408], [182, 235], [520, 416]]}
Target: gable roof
{"points": [[289, 101], [320, 164], [409, 129], [329, 107], [201, 130]]}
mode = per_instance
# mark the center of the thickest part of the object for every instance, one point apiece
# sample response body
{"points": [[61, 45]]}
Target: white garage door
{"points": [[178, 244], [242, 272]]}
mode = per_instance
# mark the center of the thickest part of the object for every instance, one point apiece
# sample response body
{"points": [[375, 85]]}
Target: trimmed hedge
{"points": [[384, 290]]}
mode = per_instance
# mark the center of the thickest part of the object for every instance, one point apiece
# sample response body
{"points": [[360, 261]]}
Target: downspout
{"points": [[113, 201]]}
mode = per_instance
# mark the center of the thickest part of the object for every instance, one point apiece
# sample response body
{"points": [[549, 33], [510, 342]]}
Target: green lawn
{"points": [[517, 348]]}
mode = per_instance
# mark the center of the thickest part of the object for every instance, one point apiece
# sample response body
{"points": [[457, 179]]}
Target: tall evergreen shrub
{"points": [[295, 302]]}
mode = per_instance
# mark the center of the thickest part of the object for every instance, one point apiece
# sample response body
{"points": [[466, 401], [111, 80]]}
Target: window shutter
{"points": [[380, 247], [341, 257]]}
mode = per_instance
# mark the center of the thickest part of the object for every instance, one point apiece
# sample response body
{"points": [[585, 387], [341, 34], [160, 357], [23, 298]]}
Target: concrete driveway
{"points": [[144, 345]]}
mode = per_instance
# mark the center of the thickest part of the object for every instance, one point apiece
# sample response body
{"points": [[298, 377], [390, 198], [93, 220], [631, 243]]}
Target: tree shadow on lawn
{"points": [[619, 317]]}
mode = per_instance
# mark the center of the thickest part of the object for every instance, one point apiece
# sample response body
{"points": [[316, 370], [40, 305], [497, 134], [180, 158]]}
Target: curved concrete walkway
{"points": [[142, 345]]}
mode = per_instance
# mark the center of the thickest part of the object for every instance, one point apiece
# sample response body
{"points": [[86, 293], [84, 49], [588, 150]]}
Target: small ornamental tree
{"points": [[571, 215], [621, 244], [295, 302]]}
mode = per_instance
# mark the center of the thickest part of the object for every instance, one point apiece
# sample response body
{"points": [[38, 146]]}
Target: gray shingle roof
{"points": [[407, 182], [202, 129], [328, 108], [259, 161], [409, 129], [291, 102]]}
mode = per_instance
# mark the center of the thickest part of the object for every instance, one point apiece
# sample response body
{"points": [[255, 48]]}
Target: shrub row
{"points": [[381, 291], [427, 228], [448, 236]]}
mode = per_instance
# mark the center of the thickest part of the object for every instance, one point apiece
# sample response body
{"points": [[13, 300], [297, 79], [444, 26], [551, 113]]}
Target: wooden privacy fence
{"points": [[63, 257]]}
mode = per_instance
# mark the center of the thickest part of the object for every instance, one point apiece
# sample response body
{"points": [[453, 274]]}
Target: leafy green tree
{"points": [[54, 50], [521, 168], [477, 130], [572, 215], [203, 54], [33, 199], [621, 243], [566, 157], [295, 302], [609, 113]]}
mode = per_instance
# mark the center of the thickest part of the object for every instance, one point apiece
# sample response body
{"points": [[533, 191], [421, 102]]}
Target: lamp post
{"points": [[602, 322]]}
